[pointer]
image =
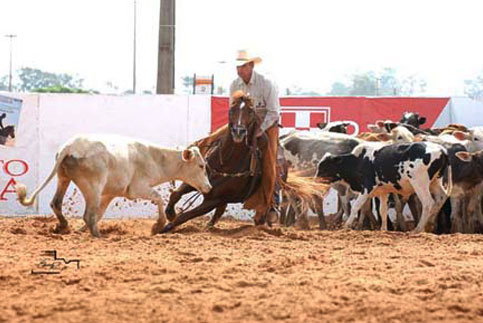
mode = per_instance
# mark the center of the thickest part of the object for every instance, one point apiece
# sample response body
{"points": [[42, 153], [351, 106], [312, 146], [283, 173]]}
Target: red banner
{"points": [[303, 113]]}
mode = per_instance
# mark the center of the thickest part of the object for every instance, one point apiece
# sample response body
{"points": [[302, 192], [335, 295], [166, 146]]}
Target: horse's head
{"points": [[242, 119]]}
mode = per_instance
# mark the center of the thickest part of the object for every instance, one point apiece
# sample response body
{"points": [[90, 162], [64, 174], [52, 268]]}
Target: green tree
{"points": [[385, 83], [32, 78], [474, 88], [62, 89], [339, 88], [4, 83], [297, 90]]}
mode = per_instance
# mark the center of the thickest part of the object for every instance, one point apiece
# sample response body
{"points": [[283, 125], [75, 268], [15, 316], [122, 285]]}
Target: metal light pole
{"points": [[10, 70], [134, 54]]}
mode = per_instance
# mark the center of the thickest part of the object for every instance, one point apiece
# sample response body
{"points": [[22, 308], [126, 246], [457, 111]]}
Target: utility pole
{"points": [[134, 54], [10, 70], [165, 79]]}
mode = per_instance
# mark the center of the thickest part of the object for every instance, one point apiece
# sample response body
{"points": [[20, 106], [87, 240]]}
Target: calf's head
{"points": [[474, 136], [476, 158], [413, 119], [329, 168], [194, 170]]}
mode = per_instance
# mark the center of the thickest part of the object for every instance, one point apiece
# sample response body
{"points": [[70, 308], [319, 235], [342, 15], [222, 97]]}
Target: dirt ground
{"points": [[236, 273]]}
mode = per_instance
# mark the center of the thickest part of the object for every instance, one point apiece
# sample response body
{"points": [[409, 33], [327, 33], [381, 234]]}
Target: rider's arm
{"points": [[272, 106]]}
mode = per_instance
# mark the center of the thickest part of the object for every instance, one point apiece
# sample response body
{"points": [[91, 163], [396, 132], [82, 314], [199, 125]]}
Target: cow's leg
{"points": [[218, 213], [473, 200], [424, 196], [339, 214], [343, 206], [201, 209], [399, 205], [56, 203], [439, 195], [456, 220], [90, 213], [319, 209], [154, 196], [174, 198], [383, 211], [479, 212], [415, 207], [369, 214], [91, 188], [358, 203], [105, 200], [366, 215]]}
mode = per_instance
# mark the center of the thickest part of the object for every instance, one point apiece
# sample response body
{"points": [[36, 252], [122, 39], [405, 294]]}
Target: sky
{"points": [[305, 43]]}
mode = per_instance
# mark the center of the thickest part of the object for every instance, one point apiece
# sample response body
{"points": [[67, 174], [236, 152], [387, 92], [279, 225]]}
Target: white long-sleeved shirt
{"points": [[265, 96]]}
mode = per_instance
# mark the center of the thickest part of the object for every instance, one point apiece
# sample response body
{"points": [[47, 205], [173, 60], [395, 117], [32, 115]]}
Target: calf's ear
{"points": [[460, 135], [464, 156], [321, 125], [422, 120], [187, 155]]}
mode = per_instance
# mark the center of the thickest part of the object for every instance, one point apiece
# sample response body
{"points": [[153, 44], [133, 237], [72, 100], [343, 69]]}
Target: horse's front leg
{"points": [[200, 210], [174, 198]]}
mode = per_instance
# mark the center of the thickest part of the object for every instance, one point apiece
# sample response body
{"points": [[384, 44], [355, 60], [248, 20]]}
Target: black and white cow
{"points": [[412, 119], [466, 197], [466, 213], [303, 151], [405, 168], [335, 126]]}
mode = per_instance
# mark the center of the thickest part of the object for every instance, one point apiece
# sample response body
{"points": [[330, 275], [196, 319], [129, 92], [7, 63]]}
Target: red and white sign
{"points": [[303, 113]]}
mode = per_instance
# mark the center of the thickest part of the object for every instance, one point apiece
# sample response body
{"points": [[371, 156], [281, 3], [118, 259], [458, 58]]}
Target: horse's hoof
{"points": [[272, 217], [157, 228], [61, 229], [170, 213], [210, 225], [260, 222], [167, 228]]}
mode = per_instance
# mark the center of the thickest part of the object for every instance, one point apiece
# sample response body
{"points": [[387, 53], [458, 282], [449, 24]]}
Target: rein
{"points": [[248, 172]]}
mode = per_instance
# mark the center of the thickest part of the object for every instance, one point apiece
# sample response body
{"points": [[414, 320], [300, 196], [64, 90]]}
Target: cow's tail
{"points": [[21, 189], [449, 187], [302, 192], [449, 178]]}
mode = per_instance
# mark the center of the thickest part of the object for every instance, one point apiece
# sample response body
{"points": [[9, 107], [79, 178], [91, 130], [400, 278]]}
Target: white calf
{"points": [[104, 167]]}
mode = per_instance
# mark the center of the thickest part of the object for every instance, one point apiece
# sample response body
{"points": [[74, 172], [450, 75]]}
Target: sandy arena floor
{"points": [[237, 273]]}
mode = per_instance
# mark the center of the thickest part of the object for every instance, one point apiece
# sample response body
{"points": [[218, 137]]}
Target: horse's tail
{"points": [[22, 189], [303, 192]]}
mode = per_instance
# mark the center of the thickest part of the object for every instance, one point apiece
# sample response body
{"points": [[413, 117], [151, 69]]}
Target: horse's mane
{"points": [[240, 96]]}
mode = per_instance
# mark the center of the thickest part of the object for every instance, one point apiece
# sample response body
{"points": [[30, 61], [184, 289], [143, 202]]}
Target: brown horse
{"points": [[233, 165]]}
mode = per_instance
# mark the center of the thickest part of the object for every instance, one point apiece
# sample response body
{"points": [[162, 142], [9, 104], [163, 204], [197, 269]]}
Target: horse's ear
{"points": [[238, 95]]}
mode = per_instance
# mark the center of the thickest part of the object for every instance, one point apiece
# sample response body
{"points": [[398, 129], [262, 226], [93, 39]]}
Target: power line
{"points": [[11, 36]]}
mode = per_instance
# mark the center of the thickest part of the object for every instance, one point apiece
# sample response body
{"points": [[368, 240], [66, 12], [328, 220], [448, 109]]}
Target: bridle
{"points": [[236, 130]]}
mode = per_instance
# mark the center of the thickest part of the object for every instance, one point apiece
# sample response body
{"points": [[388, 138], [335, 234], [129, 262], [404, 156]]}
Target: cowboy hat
{"points": [[244, 57]]}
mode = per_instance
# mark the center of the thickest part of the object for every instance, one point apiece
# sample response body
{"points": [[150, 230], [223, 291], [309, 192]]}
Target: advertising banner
{"points": [[9, 116]]}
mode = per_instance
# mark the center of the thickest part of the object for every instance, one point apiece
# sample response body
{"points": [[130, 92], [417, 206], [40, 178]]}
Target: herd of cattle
{"points": [[437, 172]]}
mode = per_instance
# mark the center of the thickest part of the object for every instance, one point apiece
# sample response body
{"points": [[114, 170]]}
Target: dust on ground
{"points": [[237, 273]]}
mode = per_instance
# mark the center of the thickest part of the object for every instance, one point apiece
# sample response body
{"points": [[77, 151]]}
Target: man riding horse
{"points": [[266, 102]]}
